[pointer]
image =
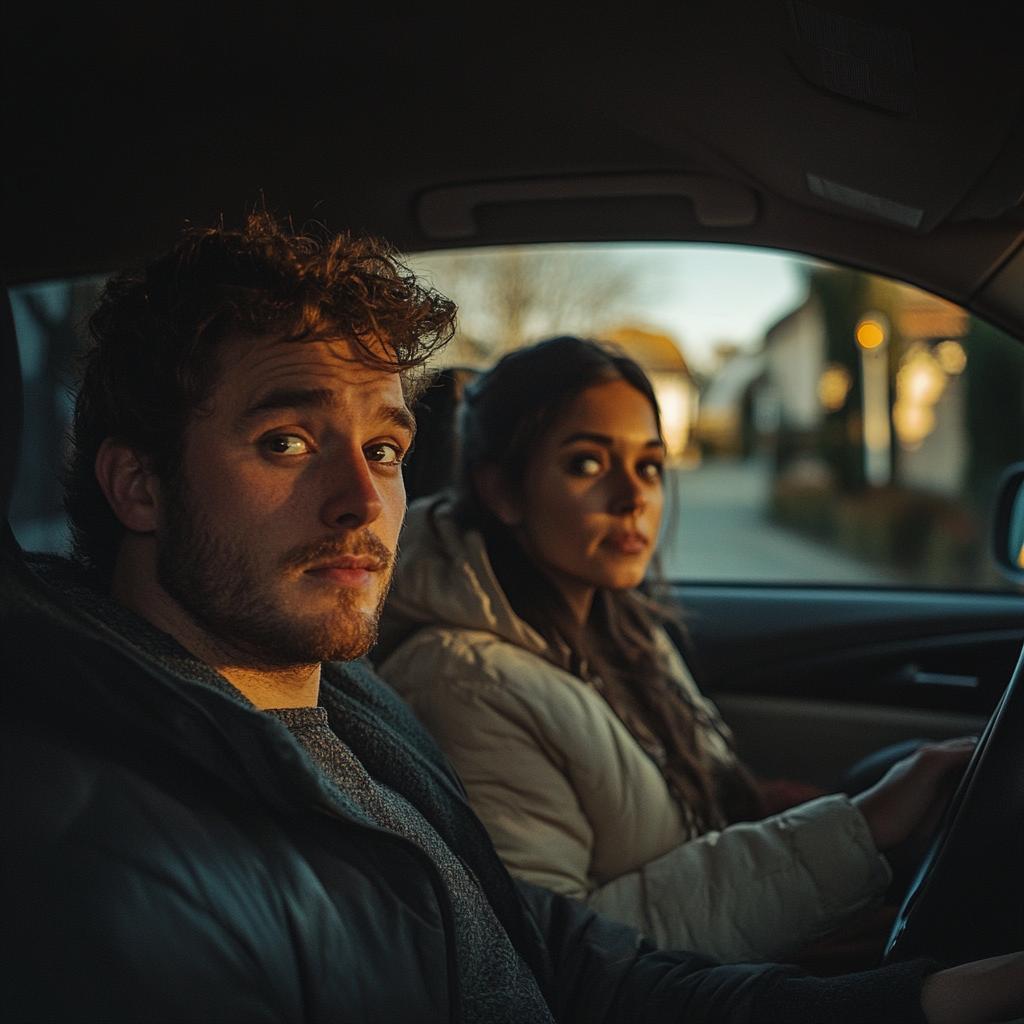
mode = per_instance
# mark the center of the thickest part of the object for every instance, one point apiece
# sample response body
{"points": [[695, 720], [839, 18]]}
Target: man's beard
{"points": [[224, 589]]}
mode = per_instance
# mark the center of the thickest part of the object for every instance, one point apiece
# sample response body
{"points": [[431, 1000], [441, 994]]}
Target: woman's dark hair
{"points": [[158, 328], [505, 416]]}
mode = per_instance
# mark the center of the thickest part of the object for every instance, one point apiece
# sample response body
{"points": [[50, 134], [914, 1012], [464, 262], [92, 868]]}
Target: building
{"points": [[676, 390]]}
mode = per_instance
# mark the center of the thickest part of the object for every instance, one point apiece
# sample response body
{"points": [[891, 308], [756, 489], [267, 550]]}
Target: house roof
{"points": [[656, 353]]}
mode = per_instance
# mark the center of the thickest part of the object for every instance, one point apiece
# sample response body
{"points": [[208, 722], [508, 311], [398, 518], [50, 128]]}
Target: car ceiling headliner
{"points": [[125, 121]]}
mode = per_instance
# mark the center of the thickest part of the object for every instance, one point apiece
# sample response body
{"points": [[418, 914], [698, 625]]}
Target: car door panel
{"points": [[811, 679], [816, 741]]}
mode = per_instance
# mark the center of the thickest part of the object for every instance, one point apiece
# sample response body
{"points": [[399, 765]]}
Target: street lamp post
{"points": [[872, 336]]}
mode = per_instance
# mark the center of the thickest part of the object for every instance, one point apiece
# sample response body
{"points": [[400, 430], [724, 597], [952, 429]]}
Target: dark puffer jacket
{"points": [[171, 855]]}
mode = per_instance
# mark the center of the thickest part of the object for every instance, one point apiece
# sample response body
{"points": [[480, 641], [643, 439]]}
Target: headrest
{"points": [[434, 459], [11, 404]]}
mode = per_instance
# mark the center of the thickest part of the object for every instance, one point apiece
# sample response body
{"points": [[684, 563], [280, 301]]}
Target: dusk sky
{"points": [[704, 294], [700, 295]]}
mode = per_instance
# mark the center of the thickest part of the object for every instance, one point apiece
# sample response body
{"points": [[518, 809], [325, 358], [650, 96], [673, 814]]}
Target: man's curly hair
{"points": [[157, 329]]}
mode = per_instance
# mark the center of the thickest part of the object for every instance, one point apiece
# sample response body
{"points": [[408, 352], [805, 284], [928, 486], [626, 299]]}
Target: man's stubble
{"points": [[225, 590]]}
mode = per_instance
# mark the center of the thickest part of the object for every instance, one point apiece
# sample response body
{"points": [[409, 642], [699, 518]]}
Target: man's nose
{"points": [[353, 496]]}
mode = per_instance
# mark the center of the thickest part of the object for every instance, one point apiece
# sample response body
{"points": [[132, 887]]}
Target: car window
{"points": [[49, 319], [825, 425]]}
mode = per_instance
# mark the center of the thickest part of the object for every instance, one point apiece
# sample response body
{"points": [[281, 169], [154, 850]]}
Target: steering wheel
{"points": [[967, 901]]}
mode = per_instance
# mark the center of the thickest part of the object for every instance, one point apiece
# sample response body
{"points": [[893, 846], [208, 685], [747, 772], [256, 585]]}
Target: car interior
{"points": [[885, 139]]}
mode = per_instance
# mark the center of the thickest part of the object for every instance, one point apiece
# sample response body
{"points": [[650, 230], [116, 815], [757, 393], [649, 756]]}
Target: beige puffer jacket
{"points": [[571, 800]]}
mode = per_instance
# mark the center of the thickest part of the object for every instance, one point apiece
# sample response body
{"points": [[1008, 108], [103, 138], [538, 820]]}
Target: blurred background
{"points": [[824, 425]]}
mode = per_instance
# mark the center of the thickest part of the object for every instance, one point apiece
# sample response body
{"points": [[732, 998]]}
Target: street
{"points": [[715, 529]]}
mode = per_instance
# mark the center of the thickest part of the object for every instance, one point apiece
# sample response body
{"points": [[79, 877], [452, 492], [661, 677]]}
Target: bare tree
{"points": [[512, 296]]}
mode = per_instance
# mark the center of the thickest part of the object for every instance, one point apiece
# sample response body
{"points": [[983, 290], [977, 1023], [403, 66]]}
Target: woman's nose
{"points": [[628, 495]]}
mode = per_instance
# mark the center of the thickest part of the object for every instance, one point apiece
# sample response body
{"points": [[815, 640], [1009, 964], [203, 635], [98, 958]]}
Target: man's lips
{"points": [[346, 570], [629, 542]]}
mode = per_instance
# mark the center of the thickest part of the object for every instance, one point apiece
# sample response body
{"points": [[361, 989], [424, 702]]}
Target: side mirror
{"points": [[1008, 528]]}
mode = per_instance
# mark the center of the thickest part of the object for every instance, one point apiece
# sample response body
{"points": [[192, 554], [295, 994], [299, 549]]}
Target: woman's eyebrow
{"points": [[584, 435], [604, 439]]}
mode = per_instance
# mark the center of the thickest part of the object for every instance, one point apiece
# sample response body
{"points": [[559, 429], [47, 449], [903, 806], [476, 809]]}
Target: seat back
{"points": [[434, 460]]}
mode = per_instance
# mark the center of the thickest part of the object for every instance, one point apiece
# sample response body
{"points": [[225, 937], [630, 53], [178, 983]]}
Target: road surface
{"points": [[715, 528]]}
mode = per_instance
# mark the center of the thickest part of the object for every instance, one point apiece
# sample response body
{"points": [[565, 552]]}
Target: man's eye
{"points": [[384, 454], [650, 470], [286, 444], [585, 465]]}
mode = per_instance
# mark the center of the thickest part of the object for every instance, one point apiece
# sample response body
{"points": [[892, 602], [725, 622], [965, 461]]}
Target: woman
{"points": [[516, 633]]}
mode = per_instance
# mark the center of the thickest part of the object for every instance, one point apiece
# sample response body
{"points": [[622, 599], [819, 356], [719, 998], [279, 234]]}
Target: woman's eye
{"points": [[651, 470], [286, 444], [384, 455], [585, 465]]}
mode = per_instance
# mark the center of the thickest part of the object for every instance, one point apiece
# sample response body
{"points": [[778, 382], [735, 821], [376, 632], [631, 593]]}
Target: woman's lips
{"points": [[629, 542]]}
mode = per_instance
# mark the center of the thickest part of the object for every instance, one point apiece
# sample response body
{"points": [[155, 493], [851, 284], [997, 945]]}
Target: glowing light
{"points": [[913, 423], [919, 385], [833, 386], [920, 379], [870, 334], [951, 356]]}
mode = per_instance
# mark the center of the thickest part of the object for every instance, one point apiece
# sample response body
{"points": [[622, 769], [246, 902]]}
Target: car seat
{"points": [[433, 462]]}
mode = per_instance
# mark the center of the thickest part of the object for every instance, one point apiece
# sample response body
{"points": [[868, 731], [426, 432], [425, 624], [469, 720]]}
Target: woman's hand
{"points": [[911, 797], [986, 990]]}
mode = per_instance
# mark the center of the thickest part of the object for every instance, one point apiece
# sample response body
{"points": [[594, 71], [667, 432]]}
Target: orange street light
{"points": [[870, 333], [872, 336]]}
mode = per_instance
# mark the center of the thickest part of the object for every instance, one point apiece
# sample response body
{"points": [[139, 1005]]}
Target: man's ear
{"points": [[132, 490], [493, 488]]}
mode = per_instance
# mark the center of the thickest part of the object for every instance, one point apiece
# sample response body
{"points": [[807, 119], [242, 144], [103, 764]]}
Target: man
{"points": [[218, 812]]}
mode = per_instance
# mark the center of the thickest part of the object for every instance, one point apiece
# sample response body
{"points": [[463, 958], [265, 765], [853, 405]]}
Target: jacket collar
{"points": [[149, 704], [444, 577]]}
